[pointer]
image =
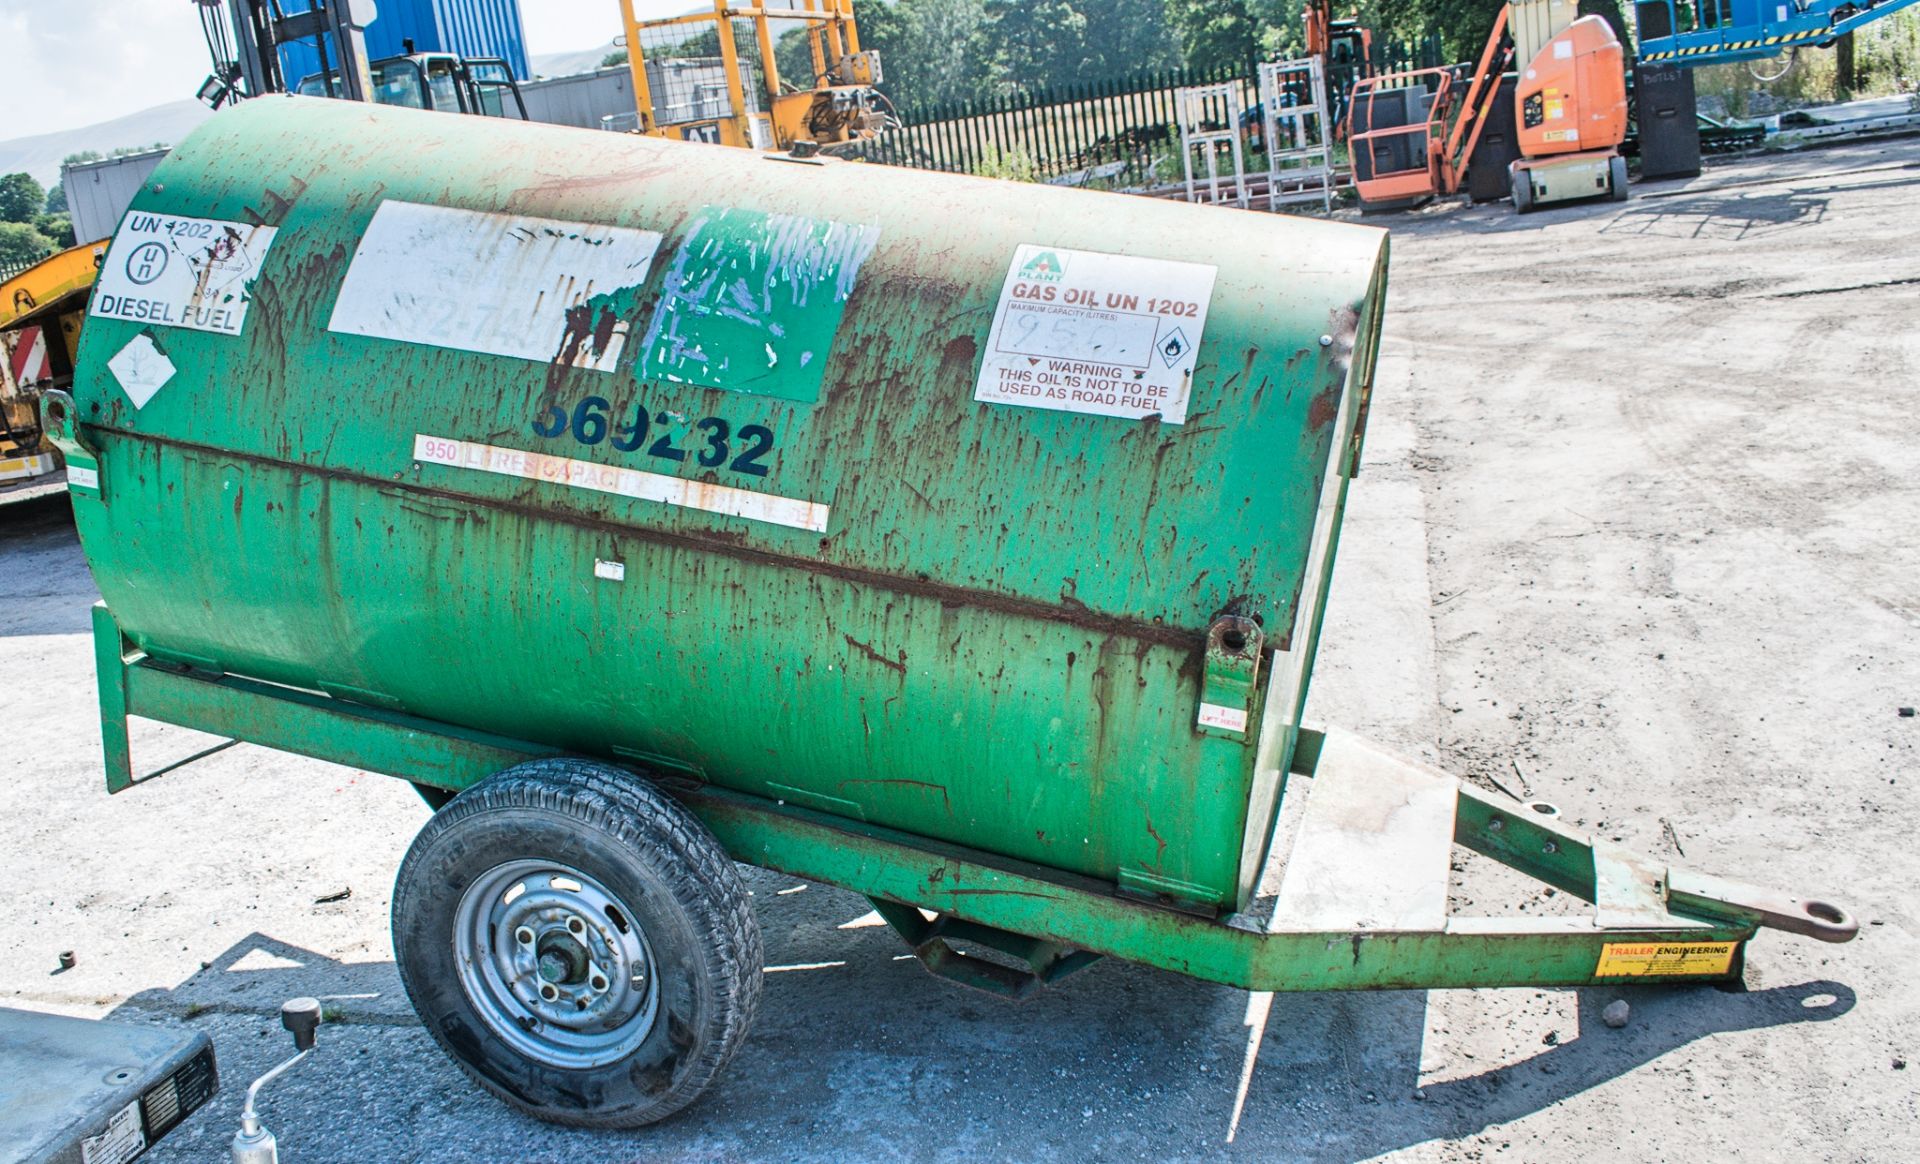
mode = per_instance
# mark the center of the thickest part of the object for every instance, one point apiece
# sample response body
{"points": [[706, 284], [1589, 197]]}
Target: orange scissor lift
{"points": [[1570, 112]]}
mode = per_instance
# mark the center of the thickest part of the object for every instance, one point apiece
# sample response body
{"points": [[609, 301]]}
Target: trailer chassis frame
{"points": [[1044, 923]]}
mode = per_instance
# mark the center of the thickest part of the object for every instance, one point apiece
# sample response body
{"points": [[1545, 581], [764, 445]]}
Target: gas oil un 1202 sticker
{"points": [[181, 272], [1110, 335], [499, 284]]}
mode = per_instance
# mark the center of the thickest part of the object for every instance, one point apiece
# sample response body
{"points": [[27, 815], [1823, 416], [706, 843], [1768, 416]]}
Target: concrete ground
{"points": [[1635, 533]]}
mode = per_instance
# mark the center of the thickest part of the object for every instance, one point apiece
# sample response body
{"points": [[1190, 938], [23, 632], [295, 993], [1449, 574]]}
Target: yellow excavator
{"points": [[715, 77], [40, 312]]}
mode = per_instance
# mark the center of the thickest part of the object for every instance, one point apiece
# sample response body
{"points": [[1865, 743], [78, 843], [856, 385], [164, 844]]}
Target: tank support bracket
{"points": [[931, 938]]}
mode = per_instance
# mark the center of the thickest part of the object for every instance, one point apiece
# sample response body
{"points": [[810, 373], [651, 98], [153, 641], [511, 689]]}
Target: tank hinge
{"points": [[60, 421], [1228, 686]]}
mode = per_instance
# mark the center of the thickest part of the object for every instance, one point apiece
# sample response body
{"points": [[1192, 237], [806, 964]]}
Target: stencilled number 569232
{"points": [[711, 441]]}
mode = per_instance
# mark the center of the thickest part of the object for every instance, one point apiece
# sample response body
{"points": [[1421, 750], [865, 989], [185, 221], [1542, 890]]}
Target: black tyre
{"points": [[1522, 188], [578, 943], [1617, 177]]}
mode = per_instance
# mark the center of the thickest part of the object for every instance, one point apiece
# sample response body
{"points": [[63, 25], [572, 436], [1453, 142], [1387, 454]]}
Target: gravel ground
{"points": [[1635, 530]]}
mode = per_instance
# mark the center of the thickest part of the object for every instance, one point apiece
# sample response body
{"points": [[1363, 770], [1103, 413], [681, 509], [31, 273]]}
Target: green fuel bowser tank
{"points": [[910, 502], [958, 541]]}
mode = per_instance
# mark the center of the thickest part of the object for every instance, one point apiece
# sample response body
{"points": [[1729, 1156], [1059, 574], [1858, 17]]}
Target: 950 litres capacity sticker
{"points": [[1110, 335], [1657, 959], [728, 500], [181, 272]]}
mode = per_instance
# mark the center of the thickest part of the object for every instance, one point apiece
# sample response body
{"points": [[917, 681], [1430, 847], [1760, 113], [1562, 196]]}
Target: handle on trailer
{"points": [[254, 1143]]}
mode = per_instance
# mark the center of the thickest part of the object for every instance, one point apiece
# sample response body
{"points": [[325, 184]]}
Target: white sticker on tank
{"points": [[141, 368], [499, 284], [722, 499], [181, 272], [1083, 331], [1232, 719]]}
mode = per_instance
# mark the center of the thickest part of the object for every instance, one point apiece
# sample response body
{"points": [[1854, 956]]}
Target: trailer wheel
{"points": [[1617, 175], [578, 943]]}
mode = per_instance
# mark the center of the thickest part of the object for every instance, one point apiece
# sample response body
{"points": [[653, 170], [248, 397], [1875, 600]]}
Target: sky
{"points": [[77, 62]]}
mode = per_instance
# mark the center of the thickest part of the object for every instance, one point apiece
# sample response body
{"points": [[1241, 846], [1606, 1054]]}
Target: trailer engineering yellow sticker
{"points": [[1652, 959]]}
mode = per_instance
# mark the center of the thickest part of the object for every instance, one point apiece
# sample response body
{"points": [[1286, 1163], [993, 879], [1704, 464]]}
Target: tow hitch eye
{"points": [[1809, 918]]}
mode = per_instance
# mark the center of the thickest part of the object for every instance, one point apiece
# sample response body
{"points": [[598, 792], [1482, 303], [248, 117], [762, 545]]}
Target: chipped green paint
{"points": [[753, 300]]}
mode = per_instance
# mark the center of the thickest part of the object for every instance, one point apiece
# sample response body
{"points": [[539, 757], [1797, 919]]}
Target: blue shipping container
{"points": [[469, 28]]}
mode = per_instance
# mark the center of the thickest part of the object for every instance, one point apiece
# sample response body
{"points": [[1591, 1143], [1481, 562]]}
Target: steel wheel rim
{"points": [[555, 964]]}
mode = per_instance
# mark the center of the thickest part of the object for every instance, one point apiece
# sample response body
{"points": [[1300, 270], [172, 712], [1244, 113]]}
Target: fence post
{"points": [[950, 152], [1101, 119]]}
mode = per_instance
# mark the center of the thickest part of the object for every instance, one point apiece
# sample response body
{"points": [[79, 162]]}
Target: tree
{"points": [[1609, 10], [616, 57], [940, 57], [1037, 44], [1130, 36], [1216, 34], [886, 27], [927, 50], [705, 43], [882, 27], [947, 33], [21, 245], [1845, 73], [795, 59], [1463, 25], [56, 227], [1034, 44], [20, 198], [56, 199]]}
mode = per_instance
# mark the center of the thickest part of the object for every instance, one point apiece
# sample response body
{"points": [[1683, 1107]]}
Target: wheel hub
{"points": [[562, 961], [555, 964]]}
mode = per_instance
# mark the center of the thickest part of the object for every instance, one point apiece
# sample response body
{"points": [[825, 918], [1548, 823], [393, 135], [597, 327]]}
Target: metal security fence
{"points": [[1117, 133], [1400, 56], [1105, 132], [9, 269]]}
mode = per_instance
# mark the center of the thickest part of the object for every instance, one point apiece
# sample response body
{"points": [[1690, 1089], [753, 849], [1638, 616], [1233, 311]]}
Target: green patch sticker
{"points": [[752, 302]]}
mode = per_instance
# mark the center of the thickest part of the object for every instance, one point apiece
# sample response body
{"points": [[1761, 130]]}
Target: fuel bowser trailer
{"points": [[965, 546]]}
